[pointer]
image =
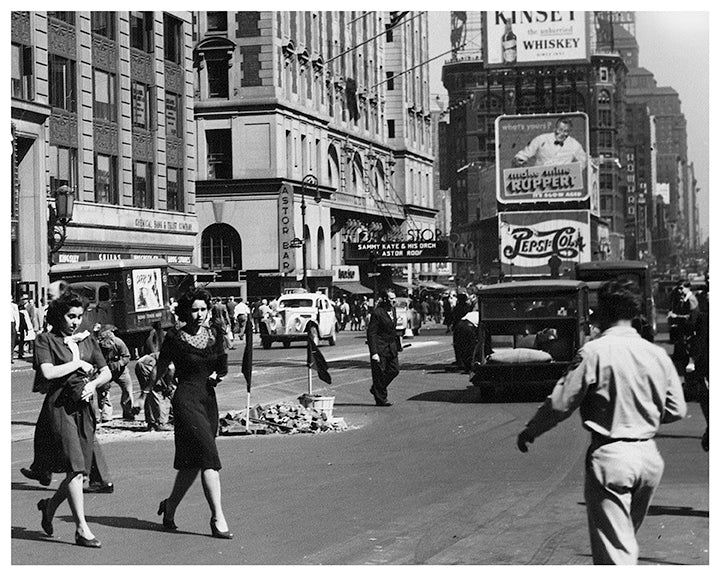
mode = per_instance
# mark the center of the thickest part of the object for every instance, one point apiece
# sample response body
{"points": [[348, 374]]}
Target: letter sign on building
{"points": [[286, 230]]}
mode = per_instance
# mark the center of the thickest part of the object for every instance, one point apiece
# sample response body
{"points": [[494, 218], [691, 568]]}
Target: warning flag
{"points": [[247, 360], [315, 359]]}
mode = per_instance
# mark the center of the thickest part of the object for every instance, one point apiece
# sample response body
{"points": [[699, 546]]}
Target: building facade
{"points": [[481, 90], [311, 126], [102, 107]]}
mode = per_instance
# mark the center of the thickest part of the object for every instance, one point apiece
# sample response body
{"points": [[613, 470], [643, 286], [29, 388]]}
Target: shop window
{"points": [[106, 186], [142, 185]]}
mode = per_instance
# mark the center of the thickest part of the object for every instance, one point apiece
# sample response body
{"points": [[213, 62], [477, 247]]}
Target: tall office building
{"points": [[101, 113], [312, 126]]}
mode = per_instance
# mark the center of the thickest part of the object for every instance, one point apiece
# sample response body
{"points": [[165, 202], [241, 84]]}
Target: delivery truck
{"points": [[130, 294]]}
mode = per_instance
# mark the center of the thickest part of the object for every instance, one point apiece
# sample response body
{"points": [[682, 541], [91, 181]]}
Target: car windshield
{"points": [[296, 303], [499, 308], [85, 292]]}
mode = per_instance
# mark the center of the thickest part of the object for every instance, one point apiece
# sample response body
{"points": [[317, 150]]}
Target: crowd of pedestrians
{"points": [[624, 387]]}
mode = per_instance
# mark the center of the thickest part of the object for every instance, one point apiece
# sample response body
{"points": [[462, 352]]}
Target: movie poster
{"points": [[147, 289]]}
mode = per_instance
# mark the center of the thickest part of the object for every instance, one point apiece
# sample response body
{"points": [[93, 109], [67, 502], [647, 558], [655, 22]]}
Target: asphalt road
{"points": [[434, 479]]}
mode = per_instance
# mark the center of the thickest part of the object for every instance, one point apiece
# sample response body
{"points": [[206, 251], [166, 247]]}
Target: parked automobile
{"points": [[406, 317], [638, 272], [528, 333], [300, 316]]}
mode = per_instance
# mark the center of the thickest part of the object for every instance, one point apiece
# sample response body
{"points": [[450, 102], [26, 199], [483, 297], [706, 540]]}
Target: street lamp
{"points": [[308, 182], [60, 214]]}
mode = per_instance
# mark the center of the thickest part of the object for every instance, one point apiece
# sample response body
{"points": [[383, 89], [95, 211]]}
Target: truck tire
{"points": [[332, 339], [266, 342], [286, 343]]}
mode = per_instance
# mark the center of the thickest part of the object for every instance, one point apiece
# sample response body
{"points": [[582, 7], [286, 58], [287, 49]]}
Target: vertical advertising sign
{"points": [[286, 230], [543, 243], [542, 158], [527, 37]]}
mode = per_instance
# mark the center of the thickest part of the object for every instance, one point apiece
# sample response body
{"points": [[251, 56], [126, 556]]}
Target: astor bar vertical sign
{"points": [[286, 230]]}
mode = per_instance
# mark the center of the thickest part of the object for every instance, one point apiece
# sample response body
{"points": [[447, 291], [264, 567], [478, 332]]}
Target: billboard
{"points": [[542, 158], [543, 243], [527, 37]]}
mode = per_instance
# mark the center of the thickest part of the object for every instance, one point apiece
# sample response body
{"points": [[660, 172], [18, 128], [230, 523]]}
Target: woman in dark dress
{"points": [[73, 366], [196, 350]]}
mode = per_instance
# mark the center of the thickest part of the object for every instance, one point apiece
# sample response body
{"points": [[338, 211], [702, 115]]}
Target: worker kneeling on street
{"points": [[625, 388], [117, 356]]}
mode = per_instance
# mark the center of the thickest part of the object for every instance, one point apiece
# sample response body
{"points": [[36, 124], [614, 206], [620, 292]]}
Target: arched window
{"points": [[604, 97], [378, 180], [221, 248], [357, 177], [333, 165], [321, 248]]}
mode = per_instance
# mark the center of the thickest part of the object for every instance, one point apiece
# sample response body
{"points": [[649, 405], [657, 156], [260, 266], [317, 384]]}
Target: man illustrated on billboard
{"points": [[552, 148]]}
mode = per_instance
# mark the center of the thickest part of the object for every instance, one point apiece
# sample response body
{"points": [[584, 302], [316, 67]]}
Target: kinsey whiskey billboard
{"points": [[527, 37], [543, 243], [542, 158]]}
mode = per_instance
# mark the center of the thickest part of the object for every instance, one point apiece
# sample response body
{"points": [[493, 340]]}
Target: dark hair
{"points": [[564, 120], [60, 306], [618, 300], [184, 305]]}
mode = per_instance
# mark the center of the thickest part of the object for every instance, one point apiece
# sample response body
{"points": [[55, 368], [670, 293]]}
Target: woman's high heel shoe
{"points": [[227, 535], [45, 522], [87, 542], [168, 523]]}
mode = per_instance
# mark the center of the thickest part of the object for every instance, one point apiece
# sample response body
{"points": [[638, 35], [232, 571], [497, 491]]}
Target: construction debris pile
{"points": [[282, 418]]}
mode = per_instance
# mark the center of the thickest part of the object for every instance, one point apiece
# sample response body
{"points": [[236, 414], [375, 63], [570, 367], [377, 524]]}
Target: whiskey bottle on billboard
{"points": [[509, 44]]}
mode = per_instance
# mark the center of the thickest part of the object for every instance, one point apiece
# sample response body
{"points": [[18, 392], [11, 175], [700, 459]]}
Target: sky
{"points": [[675, 47]]}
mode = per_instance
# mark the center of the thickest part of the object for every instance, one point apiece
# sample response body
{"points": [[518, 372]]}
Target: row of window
{"points": [[63, 168]]}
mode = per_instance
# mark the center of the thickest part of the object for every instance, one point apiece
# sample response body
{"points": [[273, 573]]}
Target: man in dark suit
{"points": [[384, 346]]}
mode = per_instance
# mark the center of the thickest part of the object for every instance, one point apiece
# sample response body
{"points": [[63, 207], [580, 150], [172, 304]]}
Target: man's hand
{"points": [[375, 357], [523, 440]]}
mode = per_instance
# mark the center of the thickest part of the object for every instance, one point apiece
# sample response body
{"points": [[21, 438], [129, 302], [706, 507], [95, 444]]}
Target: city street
{"points": [[434, 479]]}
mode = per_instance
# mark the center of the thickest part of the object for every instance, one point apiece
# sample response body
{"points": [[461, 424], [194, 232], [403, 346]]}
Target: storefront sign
{"points": [[346, 273], [542, 158], [525, 37], [286, 230], [543, 243]]}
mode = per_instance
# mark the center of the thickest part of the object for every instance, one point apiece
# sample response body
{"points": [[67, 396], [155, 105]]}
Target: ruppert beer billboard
{"points": [[515, 37], [542, 158], [543, 243]]}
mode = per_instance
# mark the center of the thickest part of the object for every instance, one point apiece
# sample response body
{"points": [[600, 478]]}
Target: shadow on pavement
{"points": [[677, 511], [470, 395], [21, 533], [678, 436], [131, 523]]}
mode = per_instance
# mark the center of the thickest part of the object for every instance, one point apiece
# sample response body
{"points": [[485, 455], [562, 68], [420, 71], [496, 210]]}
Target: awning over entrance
{"points": [[405, 285], [352, 287], [432, 285], [189, 269]]}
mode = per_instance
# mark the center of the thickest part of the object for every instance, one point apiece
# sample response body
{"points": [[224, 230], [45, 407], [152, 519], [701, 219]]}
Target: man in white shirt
{"points": [[552, 148]]}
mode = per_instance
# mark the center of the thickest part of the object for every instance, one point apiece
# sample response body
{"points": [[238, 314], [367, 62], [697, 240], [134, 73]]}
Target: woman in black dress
{"points": [[73, 366], [196, 350]]}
